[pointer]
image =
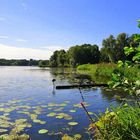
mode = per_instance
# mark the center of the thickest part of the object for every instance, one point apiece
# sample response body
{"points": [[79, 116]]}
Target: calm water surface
{"points": [[29, 90]]}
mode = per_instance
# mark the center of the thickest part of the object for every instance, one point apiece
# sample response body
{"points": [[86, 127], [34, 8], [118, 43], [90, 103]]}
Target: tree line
{"points": [[24, 62], [112, 50]]}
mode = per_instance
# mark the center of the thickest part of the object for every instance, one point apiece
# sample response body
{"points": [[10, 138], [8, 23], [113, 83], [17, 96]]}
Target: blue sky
{"points": [[35, 28]]}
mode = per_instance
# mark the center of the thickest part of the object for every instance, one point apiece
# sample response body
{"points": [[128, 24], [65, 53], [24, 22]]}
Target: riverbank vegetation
{"points": [[122, 122], [105, 70]]}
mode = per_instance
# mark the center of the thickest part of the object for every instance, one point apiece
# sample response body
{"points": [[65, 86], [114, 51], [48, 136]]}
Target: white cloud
{"points": [[52, 48], [3, 37], [21, 40], [12, 52]]}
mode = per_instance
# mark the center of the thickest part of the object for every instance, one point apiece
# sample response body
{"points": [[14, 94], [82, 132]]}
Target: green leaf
{"points": [[42, 131], [128, 50], [115, 77], [116, 84], [120, 63], [73, 123], [72, 110], [77, 136], [52, 114], [136, 57]]}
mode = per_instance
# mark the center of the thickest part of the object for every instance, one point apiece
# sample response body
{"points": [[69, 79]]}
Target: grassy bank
{"points": [[103, 72], [124, 124]]}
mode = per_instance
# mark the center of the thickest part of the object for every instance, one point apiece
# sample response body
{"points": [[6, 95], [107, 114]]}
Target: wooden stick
{"points": [[90, 118]]}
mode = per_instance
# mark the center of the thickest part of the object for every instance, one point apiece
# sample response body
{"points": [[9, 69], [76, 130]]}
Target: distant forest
{"points": [[24, 62], [112, 50]]}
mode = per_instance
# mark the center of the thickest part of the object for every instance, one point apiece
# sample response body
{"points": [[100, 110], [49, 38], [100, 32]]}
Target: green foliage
{"points": [[121, 76], [87, 67], [76, 55], [105, 70], [113, 48], [83, 54], [123, 123], [21, 62], [43, 63], [100, 70], [59, 59]]}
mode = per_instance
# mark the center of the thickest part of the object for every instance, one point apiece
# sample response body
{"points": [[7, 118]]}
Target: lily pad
{"points": [[52, 104], [73, 123], [52, 114], [90, 113], [77, 136], [72, 110], [63, 104], [33, 116], [4, 136], [19, 121], [64, 115], [58, 109], [59, 117], [3, 130], [66, 137], [42, 131], [79, 105], [24, 137], [39, 121]]}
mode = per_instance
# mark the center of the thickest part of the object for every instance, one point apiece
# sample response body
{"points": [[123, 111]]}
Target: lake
{"points": [[28, 103]]}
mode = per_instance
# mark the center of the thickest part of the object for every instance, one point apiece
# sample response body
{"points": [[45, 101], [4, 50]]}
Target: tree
{"points": [[43, 63], [108, 50], [121, 42], [53, 59], [61, 58], [83, 54]]}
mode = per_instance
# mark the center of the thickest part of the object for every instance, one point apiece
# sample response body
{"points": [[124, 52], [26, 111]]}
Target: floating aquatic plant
{"points": [[63, 104], [66, 137], [55, 105], [33, 116], [42, 131], [52, 114], [3, 130], [73, 123], [79, 105], [14, 137], [75, 137], [39, 121], [58, 109], [64, 115], [90, 113], [59, 117], [72, 111]]}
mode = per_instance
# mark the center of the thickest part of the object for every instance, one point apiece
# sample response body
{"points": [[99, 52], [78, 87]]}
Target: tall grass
{"points": [[121, 124], [105, 70]]}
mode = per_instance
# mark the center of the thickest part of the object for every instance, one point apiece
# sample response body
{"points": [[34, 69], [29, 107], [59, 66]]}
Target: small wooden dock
{"points": [[83, 85]]}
